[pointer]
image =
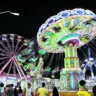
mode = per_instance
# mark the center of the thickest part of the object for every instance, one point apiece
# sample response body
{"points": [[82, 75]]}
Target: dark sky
{"points": [[32, 15]]}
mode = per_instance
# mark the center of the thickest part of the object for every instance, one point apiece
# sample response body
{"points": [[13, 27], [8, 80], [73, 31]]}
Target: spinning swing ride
{"points": [[76, 26]]}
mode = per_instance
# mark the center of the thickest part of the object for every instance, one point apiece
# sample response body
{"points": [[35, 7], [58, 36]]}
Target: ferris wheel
{"points": [[10, 46]]}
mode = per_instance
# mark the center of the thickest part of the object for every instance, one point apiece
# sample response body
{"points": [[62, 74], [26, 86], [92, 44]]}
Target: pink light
{"points": [[10, 67], [19, 37], [6, 64], [21, 69], [17, 68], [57, 69]]}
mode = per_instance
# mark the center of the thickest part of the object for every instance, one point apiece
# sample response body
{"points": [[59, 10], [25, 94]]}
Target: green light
{"points": [[26, 51], [41, 51], [35, 68], [28, 66], [83, 39], [33, 59], [19, 58], [30, 43], [48, 69], [49, 34], [69, 36]]}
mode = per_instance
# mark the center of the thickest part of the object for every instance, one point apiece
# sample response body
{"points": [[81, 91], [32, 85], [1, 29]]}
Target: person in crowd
{"points": [[55, 92], [11, 90], [43, 91], [28, 91], [36, 92], [16, 91], [1, 89], [94, 90], [6, 90], [83, 91], [20, 91]]}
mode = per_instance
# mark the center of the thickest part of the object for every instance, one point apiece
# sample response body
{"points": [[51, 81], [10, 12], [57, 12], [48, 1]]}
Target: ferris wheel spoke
{"points": [[8, 44], [3, 54], [4, 46], [16, 46], [14, 69], [18, 69], [4, 51], [33, 38], [3, 62], [19, 48], [4, 58], [12, 45], [6, 65], [10, 67]]}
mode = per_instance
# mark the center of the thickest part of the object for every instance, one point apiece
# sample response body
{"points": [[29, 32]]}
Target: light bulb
{"points": [[17, 14]]}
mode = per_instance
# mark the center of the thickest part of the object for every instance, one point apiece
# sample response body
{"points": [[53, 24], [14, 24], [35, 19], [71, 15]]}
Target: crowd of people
{"points": [[42, 91], [9, 90]]}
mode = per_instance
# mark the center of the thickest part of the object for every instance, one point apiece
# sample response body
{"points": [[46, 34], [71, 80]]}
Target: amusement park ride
{"points": [[65, 32]]}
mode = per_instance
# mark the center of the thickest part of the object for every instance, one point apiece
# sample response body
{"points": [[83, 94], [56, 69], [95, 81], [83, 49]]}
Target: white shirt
{"points": [[28, 91], [1, 89]]}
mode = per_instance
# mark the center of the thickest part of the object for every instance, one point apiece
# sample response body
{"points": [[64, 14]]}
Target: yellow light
{"points": [[52, 76]]}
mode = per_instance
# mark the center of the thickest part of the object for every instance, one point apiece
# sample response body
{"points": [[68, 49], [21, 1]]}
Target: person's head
{"points": [[1, 84], [11, 85], [16, 89], [19, 87], [20, 90], [55, 89], [82, 83], [94, 90], [7, 86], [29, 85], [55, 92], [43, 84]]}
